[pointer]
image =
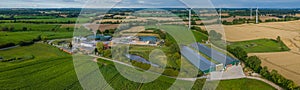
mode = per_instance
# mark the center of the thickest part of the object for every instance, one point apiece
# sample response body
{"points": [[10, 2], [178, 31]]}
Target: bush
{"points": [[7, 45], [25, 43], [255, 63]]}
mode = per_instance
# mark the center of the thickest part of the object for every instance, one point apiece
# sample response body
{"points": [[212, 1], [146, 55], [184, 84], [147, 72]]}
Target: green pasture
{"points": [[16, 37], [260, 45]]}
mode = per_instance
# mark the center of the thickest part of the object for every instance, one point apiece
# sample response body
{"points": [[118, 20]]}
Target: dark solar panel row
{"points": [[139, 59], [215, 55], [197, 60]]}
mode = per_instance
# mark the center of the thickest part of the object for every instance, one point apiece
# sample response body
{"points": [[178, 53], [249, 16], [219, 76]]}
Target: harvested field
{"points": [[288, 32], [134, 29], [137, 31], [103, 27], [286, 63]]}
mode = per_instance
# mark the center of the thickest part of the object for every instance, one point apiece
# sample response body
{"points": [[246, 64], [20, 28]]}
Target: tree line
{"points": [[254, 63]]}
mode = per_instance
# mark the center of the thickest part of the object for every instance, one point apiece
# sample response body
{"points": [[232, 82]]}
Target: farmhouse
{"points": [[219, 57]]}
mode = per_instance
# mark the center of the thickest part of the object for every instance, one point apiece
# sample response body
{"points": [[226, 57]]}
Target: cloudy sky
{"points": [[148, 3]]}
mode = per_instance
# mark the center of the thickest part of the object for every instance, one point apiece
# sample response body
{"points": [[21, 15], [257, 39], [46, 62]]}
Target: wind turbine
{"points": [[190, 16], [220, 14], [256, 15], [251, 13]]}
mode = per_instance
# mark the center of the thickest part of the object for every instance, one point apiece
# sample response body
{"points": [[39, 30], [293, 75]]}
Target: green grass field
{"points": [[260, 45], [16, 37], [178, 32], [200, 37], [244, 84], [30, 27], [50, 68], [36, 27], [54, 69], [162, 83]]}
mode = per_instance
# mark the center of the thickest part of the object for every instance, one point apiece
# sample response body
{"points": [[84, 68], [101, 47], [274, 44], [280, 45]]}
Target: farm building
{"points": [[217, 61], [219, 57], [197, 60]]}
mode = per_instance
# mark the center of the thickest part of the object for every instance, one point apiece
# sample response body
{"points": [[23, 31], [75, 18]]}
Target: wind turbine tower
{"points": [[220, 14], [190, 16], [251, 13], [256, 16]]}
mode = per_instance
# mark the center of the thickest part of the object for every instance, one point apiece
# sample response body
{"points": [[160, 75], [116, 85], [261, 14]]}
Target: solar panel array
{"points": [[197, 60], [215, 55], [139, 59]]}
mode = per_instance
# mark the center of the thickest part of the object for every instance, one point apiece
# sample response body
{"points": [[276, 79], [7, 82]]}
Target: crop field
{"points": [[103, 27], [17, 32], [36, 27], [286, 63], [16, 37], [288, 31], [260, 45], [180, 33], [52, 68], [243, 84], [200, 37], [30, 27], [119, 82]]}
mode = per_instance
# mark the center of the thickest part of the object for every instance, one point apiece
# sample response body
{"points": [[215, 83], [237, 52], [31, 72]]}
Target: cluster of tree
{"points": [[161, 34], [6, 28], [26, 43], [282, 20], [193, 22], [110, 22], [173, 54], [215, 36], [239, 21], [140, 65], [238, 52], [4, 45], [275, 77], [199, 29], [254, 63], [41, 12], [102, 50], [43, 22], [282, 45], [14, 59]]}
